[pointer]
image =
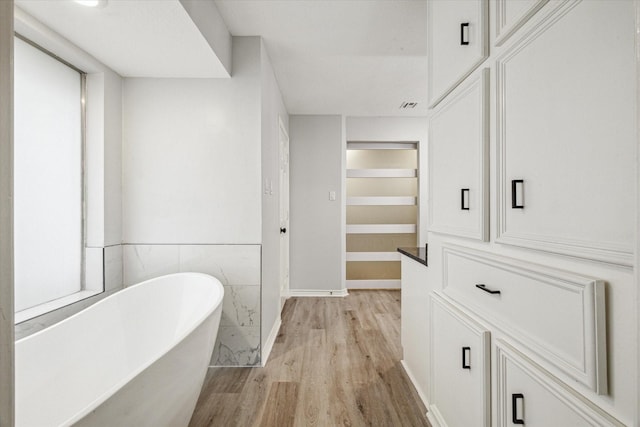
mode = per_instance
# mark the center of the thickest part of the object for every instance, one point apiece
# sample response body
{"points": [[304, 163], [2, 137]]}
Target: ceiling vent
{"points": [[408, 105]]}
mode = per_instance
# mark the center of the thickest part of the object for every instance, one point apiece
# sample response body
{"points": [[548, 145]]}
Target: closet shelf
{"points": [[381, 201], [368, 145], [381, 173], [373, 256], [381, 228]]}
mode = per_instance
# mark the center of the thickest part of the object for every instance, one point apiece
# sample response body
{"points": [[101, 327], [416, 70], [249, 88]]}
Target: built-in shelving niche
{"points": [[382, 211]]}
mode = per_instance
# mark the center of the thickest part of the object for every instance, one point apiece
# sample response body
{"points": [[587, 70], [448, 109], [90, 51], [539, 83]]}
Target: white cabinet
{"points": [[554, 317], [566, 136], [554, 281], [529, 396], [511, 15], [559, 316], [457, 43], [415, 318], [458, 162], [460, 386]]}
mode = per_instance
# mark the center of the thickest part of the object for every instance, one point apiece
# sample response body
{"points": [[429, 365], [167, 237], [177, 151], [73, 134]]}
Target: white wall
{"points": [[637, 230], [273, 110], [399, 129], [195, 154], [112, 159], [191, 163], [6, 213], [316, 168], [103, 178]]}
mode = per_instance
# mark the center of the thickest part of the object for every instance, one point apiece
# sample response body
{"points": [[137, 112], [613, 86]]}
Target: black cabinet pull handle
{"points": [[465, 362], [464, 201], [514, 408], [514, 193], [464, 35], [484, 288]]}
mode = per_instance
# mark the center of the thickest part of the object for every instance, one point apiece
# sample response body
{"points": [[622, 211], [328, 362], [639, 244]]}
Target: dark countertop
{"points": [[418, 254]]}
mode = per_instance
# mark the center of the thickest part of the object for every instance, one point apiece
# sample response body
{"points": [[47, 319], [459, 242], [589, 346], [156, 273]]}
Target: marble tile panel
{"points": [[241, 306], [231, 264], [237, 346], [113, 267], [143, 262]]}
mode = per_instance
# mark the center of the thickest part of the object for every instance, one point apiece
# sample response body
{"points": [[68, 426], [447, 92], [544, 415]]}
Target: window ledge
{"points": [[38, 310]]}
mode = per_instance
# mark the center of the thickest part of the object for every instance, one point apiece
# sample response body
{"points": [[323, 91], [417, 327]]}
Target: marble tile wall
{"points": [[110, 272], [93, 269], [238, 267], [113, 268]]}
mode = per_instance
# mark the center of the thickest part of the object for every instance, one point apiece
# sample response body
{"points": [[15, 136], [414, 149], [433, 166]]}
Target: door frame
{"points": [[283, 212]]}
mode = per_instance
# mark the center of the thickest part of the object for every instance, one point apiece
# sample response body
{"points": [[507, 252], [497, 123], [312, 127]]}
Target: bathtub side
{"points": [[165, 394], [87, 360]]}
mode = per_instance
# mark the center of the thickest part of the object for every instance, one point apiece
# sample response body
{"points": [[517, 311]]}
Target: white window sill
{"points": [[56, 304]]}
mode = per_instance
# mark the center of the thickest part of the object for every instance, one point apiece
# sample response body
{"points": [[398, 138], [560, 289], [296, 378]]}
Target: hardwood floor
{"points": [[335, 362]]}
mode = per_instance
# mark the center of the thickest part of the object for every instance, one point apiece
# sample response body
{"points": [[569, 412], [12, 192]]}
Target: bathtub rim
{"points": [[134, 373]]}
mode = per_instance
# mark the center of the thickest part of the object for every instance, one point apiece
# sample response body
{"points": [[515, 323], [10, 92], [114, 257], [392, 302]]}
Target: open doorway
{"points": [[382, 211]]}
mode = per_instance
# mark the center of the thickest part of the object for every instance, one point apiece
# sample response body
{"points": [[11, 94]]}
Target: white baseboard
{"points": [[317, 293], [423, 396], [373, 284], [268, 345], [435, 419]]}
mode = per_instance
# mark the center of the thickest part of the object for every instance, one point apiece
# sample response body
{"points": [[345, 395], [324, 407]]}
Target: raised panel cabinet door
{"points": [[559, 316], [458, 162], [460, 383], [457, 43], [529, 396], [511, 15], [566, 133]]}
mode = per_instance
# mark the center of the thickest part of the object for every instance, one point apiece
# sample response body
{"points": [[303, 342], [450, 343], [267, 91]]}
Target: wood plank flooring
{"points": [[335, 362]]}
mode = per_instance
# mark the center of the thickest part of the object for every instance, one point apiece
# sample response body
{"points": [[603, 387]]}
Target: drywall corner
{"points": [[206, 16]]}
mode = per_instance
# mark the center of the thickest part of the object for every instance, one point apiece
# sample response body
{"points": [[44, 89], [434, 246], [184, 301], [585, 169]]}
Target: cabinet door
{"points": [[415, 317], [457, 43], [460, 384], [559, 316], [458, 162], [529, 396], [566, 133], [511, 15]]}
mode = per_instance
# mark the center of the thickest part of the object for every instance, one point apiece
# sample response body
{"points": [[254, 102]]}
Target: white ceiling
{"points": [[136, 38], [352, 57]]}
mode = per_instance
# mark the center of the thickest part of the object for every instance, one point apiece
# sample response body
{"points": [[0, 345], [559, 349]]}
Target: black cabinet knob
{"points": [[283, 230]]}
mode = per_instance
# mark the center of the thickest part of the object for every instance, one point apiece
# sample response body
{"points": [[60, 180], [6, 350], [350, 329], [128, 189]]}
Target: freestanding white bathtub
{"points": [[137, 358]]}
